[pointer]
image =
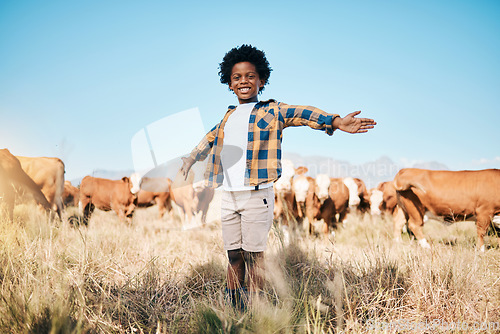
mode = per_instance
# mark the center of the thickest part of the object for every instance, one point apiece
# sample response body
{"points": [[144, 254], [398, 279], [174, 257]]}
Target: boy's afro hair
{"points": [[244, 53]]}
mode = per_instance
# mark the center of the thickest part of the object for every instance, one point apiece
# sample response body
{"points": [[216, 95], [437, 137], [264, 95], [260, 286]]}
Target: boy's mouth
{"points": [[244, 89]]}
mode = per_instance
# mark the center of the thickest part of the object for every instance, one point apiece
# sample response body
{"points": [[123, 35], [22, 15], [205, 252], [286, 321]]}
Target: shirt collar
{"points": [[231, 107]]}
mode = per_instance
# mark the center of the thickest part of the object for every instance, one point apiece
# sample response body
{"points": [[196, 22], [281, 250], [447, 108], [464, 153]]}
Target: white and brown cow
{"points": [[364, 196], [352, 186], [48, 174], [359, 198], [285, 208], [191, 198], [107, 195], [325, 199], [384, 202], [449, 194], [13, 176]]}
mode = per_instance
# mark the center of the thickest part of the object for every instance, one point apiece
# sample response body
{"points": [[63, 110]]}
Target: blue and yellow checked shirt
{"points": [[265, 132]]}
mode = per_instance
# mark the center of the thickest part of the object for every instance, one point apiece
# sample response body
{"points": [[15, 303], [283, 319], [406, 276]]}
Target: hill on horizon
{"points": [[372, 172]]}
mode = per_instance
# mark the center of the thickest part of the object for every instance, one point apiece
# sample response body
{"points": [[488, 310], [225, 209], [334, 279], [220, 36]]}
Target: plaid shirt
{"points": [[265, 132]]}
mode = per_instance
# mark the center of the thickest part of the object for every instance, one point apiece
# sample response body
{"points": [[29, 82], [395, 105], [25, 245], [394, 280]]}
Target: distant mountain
{"points": [[434, 165], [372, 173]]}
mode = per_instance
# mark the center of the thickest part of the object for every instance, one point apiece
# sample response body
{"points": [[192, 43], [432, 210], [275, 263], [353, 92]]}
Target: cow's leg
{"points": [[50, 195], [307, 222], [59, 207], [129, 212], [8, 199], [415, 214], [169, 208], [287, 213], [329, 220], [87, 212], [161, 207], [299, 209], [342, 215], [399, 222], [204, 212], [482, 224]]}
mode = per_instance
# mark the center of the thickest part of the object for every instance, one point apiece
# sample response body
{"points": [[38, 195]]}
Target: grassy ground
{"points": [[153, 277]]}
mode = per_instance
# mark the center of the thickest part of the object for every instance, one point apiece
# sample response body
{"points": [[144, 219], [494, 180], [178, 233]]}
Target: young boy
{"points": [[244, 152]]}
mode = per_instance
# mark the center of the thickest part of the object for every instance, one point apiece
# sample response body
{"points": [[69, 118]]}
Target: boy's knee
{"points": [[235, 256]]}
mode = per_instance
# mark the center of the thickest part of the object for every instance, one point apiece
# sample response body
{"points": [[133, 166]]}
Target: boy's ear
{"points": [[262, 83]]}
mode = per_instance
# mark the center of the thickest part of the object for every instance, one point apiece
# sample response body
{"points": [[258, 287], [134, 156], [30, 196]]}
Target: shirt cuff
{"points": [[329, 124]]}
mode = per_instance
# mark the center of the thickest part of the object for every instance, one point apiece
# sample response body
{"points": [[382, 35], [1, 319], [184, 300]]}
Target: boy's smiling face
{"points": [[245, 82]]}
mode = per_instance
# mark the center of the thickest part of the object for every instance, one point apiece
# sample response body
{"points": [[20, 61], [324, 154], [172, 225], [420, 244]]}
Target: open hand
{"points": [[187, 163], [352, 124]]}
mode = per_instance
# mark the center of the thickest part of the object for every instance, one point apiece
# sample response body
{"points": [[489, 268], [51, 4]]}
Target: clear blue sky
{"points": [[79, 78]]}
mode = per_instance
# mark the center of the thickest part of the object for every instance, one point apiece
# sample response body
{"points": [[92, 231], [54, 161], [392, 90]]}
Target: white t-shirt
{"points": [[234, 149]]}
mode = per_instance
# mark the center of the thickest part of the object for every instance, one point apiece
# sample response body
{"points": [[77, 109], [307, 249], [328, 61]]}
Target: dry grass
{"points": [[152, 277]]}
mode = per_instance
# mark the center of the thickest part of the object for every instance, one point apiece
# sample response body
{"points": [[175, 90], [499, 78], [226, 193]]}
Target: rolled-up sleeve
{"points": [[315, 118]]}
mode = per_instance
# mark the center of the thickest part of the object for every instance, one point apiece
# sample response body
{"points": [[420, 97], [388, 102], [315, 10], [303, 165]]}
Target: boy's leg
{"points": [[255, 267], [235, 269], [257, 219], [236, 293]]}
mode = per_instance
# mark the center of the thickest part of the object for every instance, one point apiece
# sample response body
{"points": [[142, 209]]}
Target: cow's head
{"points": [[135, 181], [129, 185], [376, 199], [284, 183], [300, 188], [199, 186], [322, 186], [353, 191]]}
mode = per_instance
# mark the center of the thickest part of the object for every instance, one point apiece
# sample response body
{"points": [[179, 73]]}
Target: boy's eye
{"points": [[236, 77]]}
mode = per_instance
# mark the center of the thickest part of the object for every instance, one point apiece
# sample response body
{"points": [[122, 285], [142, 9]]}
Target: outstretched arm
{"points": [[199, 153], [351, 124]]}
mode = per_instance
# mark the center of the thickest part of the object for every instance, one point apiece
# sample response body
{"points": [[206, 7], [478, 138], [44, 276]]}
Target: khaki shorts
{"points": [[246, 218]]}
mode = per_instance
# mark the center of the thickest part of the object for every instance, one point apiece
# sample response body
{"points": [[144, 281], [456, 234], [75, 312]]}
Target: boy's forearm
{"points": [[299, 115], [200, 152]]}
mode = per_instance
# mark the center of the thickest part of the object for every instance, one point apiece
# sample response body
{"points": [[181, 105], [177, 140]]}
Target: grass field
{"points": [[153, 277]]}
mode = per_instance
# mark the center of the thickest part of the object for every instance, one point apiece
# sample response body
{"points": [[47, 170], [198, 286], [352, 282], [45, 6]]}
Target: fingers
{"points": [[354, 113], [367, 121], [185, 173]]}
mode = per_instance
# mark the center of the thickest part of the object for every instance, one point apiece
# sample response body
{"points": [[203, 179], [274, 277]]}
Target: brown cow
{"points": [[384, 201], [48, 174], [155, 191], [182, 193], [107, 195], [71, 194], [450, 194], [12, 175], [323, 205], [203, 198], [285, 207], [364, 196], [191, 198]]}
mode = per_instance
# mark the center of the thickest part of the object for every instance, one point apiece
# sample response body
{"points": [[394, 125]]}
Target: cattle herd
{"points": [[301, 201]]}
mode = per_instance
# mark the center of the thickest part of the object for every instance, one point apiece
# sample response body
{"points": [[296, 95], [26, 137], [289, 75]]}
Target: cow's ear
{"points": [[125, 179], [301, 170]]}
